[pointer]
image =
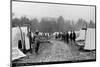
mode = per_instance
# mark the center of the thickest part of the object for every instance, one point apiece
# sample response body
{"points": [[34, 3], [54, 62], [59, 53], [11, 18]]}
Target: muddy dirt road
{"points": [[56, 51]]}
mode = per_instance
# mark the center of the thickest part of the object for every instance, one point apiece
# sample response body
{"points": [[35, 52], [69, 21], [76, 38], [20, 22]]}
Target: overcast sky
{"points": [[39, 10]]}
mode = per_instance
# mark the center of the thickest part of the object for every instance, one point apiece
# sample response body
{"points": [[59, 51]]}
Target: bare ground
{"points": [[57, 51]]}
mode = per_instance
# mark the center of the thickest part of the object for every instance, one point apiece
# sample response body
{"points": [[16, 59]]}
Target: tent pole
{"points": [[85, 34], [22, 38]]}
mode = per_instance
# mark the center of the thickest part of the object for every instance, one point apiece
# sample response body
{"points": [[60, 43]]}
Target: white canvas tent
{"points": [[16, 36], [77, 33], [81, 35], [90, 39], [27, 44]]}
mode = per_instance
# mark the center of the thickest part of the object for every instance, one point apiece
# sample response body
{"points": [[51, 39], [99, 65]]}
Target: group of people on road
{"points": [[67, 36], [34, 39]]}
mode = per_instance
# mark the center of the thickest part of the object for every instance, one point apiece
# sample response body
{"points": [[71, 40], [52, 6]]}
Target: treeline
{"points": [[52, 24]]}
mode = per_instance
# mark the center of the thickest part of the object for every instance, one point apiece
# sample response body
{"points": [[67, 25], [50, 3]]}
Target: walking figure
{"points": [[67, 37], [37, 42], [72, 36]]}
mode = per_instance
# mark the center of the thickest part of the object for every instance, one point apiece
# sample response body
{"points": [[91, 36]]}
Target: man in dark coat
{"points": [[30, 39], [63, 36], [67, 37], [72, 36], [37, 42]]}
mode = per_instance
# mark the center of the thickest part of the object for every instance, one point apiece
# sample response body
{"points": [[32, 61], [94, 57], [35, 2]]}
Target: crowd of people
{"points": [[66, 36], [35, 38]]}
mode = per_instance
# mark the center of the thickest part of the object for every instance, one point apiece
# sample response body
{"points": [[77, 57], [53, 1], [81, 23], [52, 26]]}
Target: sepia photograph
{"points": [[52, 33]]}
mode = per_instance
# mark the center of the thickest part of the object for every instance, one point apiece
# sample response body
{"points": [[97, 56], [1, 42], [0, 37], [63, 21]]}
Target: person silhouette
{"points": [[67, 37], [72, 36]]}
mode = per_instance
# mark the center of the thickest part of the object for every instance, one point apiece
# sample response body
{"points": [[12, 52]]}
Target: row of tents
{"points": [[20, 34]]}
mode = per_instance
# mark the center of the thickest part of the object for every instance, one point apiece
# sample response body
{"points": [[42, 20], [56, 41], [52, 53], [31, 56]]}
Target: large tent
{"points": [[25, 31], [90, 39], [17, 34]]}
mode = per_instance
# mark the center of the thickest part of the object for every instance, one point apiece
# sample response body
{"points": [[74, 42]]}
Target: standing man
{"points": [[63, 36], [37, 42], [67, 37], [30, 39], [72, 36]]}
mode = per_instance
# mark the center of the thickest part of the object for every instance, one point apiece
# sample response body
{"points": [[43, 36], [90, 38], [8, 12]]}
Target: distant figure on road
{"points": [[63, 36], [59, 35], [72, 36], [67, 37], [56, 36]]}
